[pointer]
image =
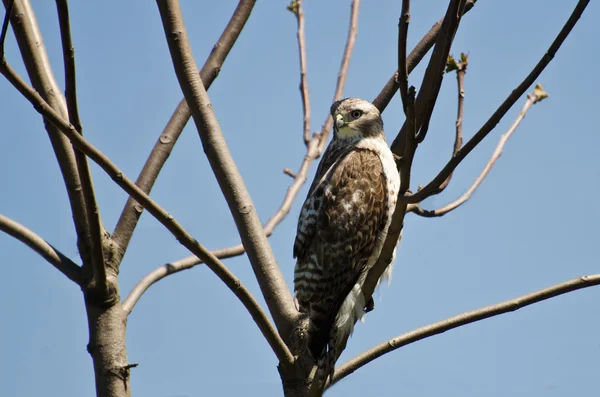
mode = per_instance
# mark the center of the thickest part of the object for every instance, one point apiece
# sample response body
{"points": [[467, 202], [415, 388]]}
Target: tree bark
{"points": [[107, 325]]}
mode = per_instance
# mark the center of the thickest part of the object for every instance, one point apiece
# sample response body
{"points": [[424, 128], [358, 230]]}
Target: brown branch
{"points": [[296, 8], [403, 22], [61, 262], [343, 73], [537, 95], [35, 58], [164, 145], [166, 219], [9, 10], [463, 319], [414, 58], [432, 79], [265, 267], [100, 281], [501, 111], [313, 151]]}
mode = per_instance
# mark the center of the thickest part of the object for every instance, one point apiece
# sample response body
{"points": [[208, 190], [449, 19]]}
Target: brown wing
{"points": [[346, 211]]}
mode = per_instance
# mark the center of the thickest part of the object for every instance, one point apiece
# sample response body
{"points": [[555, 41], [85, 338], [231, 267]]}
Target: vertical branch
{"points": [[99, 280], [461, 70], [266, 269], [165, 143], [403, 22], [343, 73], [296, 8], [414, 58]]}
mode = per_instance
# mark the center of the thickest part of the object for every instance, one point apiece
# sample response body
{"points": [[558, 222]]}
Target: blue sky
{"points": [[531, 224]]}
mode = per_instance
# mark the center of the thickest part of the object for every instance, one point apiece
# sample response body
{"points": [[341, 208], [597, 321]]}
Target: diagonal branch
{"points": [[266, 269], [165, 143], [166, 219], [313, 151], [538, 95], [296, 8], [463, 319], [100, 282], [501, 111], [61, 262], [35, 58]]}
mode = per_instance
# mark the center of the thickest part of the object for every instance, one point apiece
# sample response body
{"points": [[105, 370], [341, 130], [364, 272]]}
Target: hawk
{"points": [[343, 224]]}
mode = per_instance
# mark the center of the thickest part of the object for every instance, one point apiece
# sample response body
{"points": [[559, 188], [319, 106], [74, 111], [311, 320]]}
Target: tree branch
{"points": [[35, 58], [313, 151], [389, 246], [164, 145], [501, 111], [296, 8], [264, 265], [100, 281], [343, 73], [61, 262], [187, 240], [538, 95], [461, 70], [413, 59], [402, 76], [463, 319]]}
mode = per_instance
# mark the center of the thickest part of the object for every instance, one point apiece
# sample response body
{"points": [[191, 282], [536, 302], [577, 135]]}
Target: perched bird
{"points": [[343, 224]]}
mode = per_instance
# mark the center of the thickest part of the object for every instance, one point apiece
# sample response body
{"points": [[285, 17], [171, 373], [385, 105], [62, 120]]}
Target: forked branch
{"points": [[501, 111], [462, 319], [390, 244], [538, 95], [187, 240]]}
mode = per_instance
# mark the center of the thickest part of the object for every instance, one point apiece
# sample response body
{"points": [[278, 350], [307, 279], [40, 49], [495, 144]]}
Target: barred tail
{"points": [[327, 336]]}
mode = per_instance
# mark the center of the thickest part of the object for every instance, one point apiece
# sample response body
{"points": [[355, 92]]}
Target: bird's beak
{"points": [[339, 120]]}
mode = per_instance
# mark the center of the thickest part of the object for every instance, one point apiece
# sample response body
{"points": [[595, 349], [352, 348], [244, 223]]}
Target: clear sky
{"points": [[533, 222]]}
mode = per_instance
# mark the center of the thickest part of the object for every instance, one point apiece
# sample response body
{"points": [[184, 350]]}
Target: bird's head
{"points": [[356, 118]]}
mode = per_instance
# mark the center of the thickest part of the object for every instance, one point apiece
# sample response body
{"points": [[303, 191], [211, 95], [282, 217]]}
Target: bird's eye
{"points": [[356, 114]]}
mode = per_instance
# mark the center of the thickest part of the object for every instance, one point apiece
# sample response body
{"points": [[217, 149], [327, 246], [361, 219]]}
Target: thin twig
{"points": [[414, 58], [296, 8], [463, 319], [403, 22], [537, 95], [169, 136], [342, 74], [61, 262], [313, 151], [9, 10], [461, 70], [91, 206], [501, 111], [186, 239]]}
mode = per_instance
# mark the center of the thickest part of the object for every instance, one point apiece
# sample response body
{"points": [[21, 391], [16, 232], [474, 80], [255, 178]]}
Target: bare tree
{"points": [[101, 252]]}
